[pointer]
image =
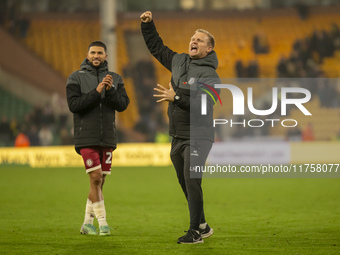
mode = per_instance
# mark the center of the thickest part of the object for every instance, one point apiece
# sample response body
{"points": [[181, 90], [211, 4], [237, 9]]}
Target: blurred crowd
{"points": [[12, 19], [152, 124], [247, 71], [304, 61], [41, 126], [308, 54]]}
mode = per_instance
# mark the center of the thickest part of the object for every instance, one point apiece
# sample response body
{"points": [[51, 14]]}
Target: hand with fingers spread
{"points": [[165, 94]]}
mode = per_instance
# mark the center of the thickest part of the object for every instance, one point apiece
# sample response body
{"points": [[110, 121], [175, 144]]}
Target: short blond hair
{"points": [[210, 36]]}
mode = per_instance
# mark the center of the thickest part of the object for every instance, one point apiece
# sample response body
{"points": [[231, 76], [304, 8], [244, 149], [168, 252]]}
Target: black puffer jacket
{"points": [[93, 113], [189, 80]]}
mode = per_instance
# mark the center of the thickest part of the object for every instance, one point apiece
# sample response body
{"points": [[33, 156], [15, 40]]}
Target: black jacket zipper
{"points": [[101, 112]]}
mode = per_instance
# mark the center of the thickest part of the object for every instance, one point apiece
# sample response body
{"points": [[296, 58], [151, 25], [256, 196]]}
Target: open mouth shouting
{"points": [[193, 49]]}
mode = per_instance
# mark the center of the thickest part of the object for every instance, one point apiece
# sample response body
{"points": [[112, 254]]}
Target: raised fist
{"points": [[146, 17]]}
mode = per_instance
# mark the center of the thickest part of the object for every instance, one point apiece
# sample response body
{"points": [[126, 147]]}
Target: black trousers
{"points": [[185, 155]]}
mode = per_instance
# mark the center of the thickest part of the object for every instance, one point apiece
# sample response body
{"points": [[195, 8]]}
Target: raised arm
{"points": [[154, 42]]}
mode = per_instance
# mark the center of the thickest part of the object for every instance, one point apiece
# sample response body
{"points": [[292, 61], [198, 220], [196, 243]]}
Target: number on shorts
{"points": [[108, 159]]}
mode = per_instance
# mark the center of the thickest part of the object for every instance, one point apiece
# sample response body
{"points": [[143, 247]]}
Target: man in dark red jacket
{"points": [[94, 95]]}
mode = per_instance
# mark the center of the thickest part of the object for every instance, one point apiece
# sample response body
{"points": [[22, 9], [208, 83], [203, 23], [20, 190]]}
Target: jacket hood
{"points": [[209, 60], [85, 65]]}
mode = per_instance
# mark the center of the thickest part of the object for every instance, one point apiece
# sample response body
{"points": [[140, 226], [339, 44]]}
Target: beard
{"points": [[98, 66]]}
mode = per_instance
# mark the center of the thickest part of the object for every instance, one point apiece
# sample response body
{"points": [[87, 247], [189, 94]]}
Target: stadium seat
{"points": [[12, 106]]}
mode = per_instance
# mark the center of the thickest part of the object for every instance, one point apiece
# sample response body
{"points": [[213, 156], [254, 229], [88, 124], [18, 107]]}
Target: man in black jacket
{"points": [[192, 133], [94, 95]]}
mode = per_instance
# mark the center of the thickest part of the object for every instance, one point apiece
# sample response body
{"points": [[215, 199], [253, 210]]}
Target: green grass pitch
{"points": [[41, 211]]}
